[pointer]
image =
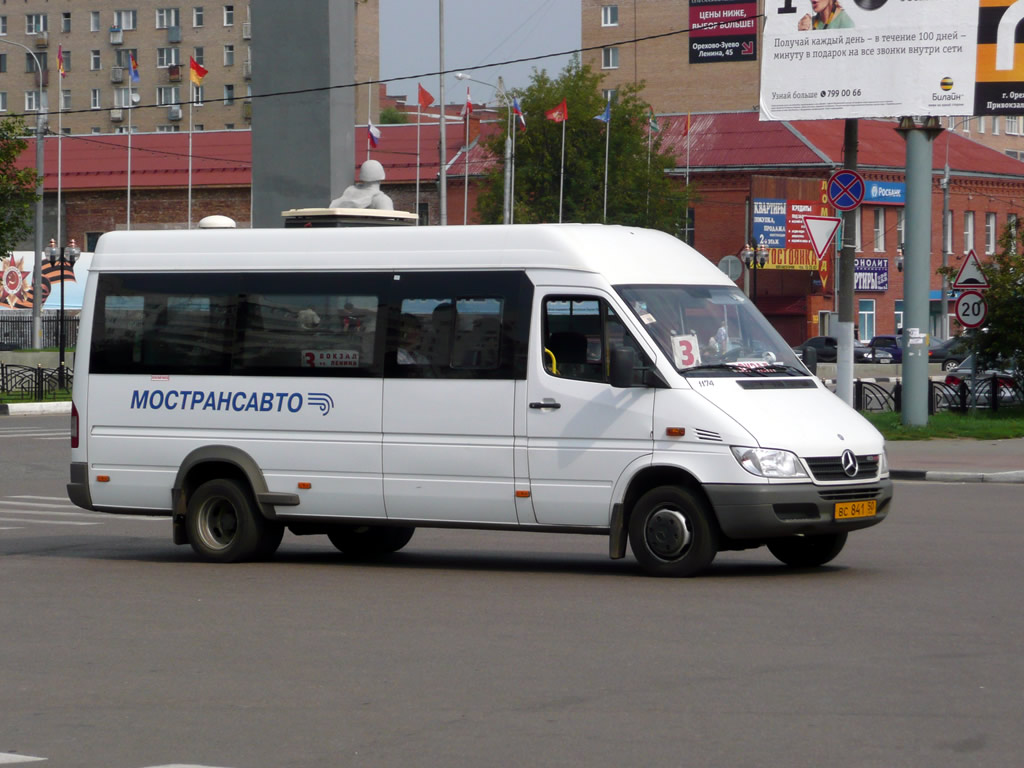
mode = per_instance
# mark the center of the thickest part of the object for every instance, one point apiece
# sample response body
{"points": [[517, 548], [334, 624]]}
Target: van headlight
{"points": [[767, 462], [883, 464]]}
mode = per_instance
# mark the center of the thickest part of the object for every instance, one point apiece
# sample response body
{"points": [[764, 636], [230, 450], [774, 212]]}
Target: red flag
{"points": [[196, 71], [686, 129], [424, 97], [559, 114], [468, 108]]}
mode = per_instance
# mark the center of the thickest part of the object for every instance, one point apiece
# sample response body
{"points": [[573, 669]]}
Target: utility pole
{"points": [[944, 322], [844, 334]]}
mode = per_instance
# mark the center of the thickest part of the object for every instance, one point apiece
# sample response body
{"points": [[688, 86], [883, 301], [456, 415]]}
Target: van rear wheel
{"points": [[224, 525], [370, 540], [671, 534], [808, 551]]}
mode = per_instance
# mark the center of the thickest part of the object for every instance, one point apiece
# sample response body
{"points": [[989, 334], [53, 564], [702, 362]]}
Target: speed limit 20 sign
{"points": [[971, 309]]}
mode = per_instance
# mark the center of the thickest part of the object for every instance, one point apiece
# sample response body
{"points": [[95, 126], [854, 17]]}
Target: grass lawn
{"points": [[981, 425]]}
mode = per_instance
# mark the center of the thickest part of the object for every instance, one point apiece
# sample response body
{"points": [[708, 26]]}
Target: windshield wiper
{"points": [[724, 367]]}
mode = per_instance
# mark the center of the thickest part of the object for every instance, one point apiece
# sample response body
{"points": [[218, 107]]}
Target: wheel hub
{"points": [[668, 533]]}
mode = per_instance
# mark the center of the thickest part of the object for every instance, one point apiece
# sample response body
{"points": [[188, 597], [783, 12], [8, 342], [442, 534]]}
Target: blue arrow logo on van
{"points": [[321, 400]]}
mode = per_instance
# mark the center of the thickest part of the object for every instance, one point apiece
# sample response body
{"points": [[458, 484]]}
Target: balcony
{"points": [[247, 69], [117, 74], [42, 39], [174, 73], [116, 115], [174, 112], [116, 36], [174, 34], [247, 30], [247, 110]]}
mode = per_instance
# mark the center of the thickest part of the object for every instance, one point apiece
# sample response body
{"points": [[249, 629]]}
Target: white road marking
{"points": [[43, 498], [8, 758], [184, 765], [101, 515], [11, 527]]}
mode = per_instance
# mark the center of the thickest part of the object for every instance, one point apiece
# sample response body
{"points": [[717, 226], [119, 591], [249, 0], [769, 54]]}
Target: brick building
{"points": [[98, 38]]}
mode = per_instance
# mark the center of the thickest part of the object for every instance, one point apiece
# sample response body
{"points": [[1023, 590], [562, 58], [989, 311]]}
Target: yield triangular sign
{"points": [[970, 274], [821, 230]]}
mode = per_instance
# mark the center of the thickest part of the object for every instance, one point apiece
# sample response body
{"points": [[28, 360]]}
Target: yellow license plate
{"points": [[849, 510]]}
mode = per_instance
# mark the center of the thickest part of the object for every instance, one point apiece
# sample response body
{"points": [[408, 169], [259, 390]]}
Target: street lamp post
{"points": [[70, 253], [755, 259], [499, 89], [37, 295]]}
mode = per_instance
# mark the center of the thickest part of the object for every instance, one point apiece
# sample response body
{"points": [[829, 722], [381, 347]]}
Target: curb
{"points": [[942, 476], [34, 409]]}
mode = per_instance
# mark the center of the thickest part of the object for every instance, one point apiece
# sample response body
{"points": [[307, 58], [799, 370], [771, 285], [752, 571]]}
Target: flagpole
{"points": [[607, 142], [60, 133], [192, 88], [512, 180], [128, 212], [419, 120], [369, 101], [465, 173], [650, 134], [687, 149], [561, 175]]}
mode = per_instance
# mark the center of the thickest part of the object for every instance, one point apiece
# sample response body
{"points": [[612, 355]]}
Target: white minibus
{"points": [[361, 383]]}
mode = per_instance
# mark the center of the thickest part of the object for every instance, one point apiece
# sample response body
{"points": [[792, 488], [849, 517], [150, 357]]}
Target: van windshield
{"points": [[711, 328]]}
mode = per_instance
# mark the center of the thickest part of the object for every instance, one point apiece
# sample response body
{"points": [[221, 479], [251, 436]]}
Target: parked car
{"points": [[949, 353], [1003, 378], [892, 344], [827, 347]]}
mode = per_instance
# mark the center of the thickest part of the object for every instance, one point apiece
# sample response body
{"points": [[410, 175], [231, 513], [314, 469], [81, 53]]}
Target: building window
{"points": [[126, 19], [947, 246], [968, 231], [3, 25], [990, 233], [866, 317], [3, 62], [609, 94], [897, 315], [197, 127], [123, 57], [198, 91], [610, 58], [167, 17], [168, 128], [198, 55], [31, 59], [229, 55], [94, 21], [981, 125], [229, 126], [66, 55], [123, 97], [167, 94], [32, 101], [995, 125], [856, 230], [94, 99], [1012, 125], [879, 229], [65, 21], [3, 101], [166, 57], [901, 226], [35, 23], [229, 15], [229, 95], [197, 16], [65, 99], [609, 16]]}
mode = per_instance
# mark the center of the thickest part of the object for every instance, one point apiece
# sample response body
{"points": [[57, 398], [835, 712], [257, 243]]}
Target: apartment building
{"points": [[97, 40]]}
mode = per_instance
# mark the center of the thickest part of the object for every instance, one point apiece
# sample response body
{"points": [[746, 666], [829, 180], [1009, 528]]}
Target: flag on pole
{"points": [[196, 71], [134, 66], [468, 108], [372, 134], [559, 114], [652, 122], [423, 97], [60, 61], [605, 116], [520, 119], [686, 128]]}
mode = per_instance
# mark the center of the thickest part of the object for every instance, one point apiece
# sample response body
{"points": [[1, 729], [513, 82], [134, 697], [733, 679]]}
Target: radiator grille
{"points": [[830, 468]]}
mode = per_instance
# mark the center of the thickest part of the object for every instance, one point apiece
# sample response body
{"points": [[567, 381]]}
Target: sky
{"points": [[477, 32]]}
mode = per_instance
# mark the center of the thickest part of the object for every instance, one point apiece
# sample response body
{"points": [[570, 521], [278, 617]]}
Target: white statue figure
{"points": [[366, 193]]}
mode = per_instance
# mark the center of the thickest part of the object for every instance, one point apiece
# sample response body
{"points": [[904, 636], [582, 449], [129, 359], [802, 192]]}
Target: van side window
{"points": [[458, 325], [579, 334]]}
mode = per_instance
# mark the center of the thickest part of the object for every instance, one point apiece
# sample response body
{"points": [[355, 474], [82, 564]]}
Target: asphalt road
{"points": [[468, 648]]}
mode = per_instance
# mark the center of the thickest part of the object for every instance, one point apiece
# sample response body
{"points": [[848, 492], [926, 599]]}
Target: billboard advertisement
{"points": [[723, 30], [887, 58]]}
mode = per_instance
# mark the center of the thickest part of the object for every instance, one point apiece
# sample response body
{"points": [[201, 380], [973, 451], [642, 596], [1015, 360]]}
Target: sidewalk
{"points": [[950, 461]]}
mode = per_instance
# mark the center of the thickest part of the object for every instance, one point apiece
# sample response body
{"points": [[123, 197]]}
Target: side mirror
{"points": [[623, 360], [811, 360]]}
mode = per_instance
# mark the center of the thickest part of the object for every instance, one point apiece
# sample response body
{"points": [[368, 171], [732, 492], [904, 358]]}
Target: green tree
{"points": [[393, 116], [1002, 341], [17, 186], [639, 192]]}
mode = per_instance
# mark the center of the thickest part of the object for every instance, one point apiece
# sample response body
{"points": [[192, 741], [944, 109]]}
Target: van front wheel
{"points": [[671, 534], [808, 551], [224, 525]]}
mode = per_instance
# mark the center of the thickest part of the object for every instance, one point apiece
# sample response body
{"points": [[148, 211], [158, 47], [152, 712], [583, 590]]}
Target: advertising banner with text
{"points": [[824, 59]]}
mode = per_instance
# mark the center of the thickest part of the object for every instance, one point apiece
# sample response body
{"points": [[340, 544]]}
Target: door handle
{"points": [[546, 405]]}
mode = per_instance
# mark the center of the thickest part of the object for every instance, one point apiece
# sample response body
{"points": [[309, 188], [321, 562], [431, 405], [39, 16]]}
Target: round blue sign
{"points": [[846, 189]]}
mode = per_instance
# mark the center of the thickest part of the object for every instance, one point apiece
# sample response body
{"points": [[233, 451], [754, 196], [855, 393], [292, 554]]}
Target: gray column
{"points": [[303, 145]]}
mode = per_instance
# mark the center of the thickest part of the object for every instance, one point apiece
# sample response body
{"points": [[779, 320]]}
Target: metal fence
{"points": [[16, 329], [27, 383], [988, 393]]}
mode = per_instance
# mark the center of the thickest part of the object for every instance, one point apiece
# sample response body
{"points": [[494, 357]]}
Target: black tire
{"points": [[808, 551], [671, 532], [369, 541], [950, 364], [224, 525]]}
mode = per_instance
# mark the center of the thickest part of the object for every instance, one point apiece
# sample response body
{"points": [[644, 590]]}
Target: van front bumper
{"points": [[770, 511]]}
